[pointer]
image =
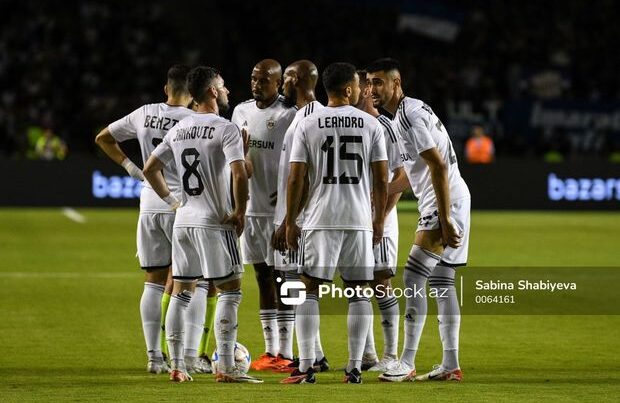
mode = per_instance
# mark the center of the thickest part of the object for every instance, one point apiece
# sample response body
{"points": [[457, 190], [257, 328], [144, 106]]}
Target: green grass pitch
{"points": [[70, 327]]}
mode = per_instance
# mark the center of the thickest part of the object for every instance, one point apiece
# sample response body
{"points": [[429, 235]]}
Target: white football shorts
{"points": [[386, 254], [256, 240], [154, 240], [350, 251], [204, 252], [460, 213]]}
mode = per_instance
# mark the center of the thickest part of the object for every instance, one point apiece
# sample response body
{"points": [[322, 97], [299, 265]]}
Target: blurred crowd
{"points": [[67, 69]]}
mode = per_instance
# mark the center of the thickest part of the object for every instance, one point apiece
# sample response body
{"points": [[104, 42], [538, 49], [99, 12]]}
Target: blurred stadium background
{"points": [[540, 79]]}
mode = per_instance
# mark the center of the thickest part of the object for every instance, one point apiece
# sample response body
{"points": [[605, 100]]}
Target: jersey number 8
{"points": [[191, 169]]}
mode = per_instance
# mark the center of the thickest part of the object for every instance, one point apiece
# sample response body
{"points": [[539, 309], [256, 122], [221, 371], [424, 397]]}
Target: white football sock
{"points": [[389, 322], [358, 321], [307, 322], [318, 348], [226, 328], [269, 321], [150, 312], [175, 328], [419, 266], [369, 348], [441, 284], [194, 319], [286, 329]]}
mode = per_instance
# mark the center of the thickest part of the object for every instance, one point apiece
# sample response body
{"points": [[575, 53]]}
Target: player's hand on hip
{"points": [[132, 169], [172, 201], [292, 236], [451, 234], [278, 239], [377, 232], [237, 221]]}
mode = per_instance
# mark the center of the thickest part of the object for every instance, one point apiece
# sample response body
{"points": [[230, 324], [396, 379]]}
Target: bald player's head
{"points": [[266, 79], [301, 75]]}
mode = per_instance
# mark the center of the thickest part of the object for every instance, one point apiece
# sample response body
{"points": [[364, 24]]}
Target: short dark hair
{"points": [[177, 78], [385, 64], [199, 79], [337, 75]]}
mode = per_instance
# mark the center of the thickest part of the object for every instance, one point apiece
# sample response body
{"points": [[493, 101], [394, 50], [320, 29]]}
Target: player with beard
{"points": [[207, 150], [386, 253], [300, 80], [342, 151], [442, 236], [265, 119]]}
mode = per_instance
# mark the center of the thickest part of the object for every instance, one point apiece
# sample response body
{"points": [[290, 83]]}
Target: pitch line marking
{"points": [[73, 215], [61, 275]]}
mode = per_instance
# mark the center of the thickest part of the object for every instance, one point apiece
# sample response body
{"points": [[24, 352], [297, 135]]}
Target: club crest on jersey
{"points": [[271, 123]]}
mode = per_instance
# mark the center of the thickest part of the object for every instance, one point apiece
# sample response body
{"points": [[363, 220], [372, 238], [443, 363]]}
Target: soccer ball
{"points": [[242, 359]]}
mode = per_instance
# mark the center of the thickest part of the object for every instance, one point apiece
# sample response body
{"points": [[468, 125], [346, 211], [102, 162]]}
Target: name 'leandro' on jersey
{"points": [[194, 132], [341, 121]]}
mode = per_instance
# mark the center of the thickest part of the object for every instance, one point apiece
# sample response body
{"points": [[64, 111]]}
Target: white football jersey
{"points": [[285, 167], [202, 146], [338, 144], [393, 153], [266, 128], [419, 129], [149, 124]]}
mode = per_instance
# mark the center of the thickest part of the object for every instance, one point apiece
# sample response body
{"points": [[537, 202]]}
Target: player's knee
{"points": [[382, 280], [441, 281], [312, 284], [228, 285], [412, 279], [420, 263], [264, 274], [156, 276]]}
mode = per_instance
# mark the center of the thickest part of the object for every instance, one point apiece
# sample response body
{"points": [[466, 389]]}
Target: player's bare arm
{"points": [[240, 193], [110, 146], [295, 188], [278, 240], [379, 197], [393, 197], [399, 183], [439, 177], [249, 168]]}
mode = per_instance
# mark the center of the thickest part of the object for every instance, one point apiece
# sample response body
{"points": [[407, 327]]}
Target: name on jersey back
{"points": [[161, 123], [194, 132], [340, 121]]}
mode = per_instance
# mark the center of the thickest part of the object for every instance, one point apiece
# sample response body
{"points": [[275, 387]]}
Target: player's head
{"points": [[364, 88], [205, 84], [383, 76], [301, 75], [266, 79], [341, 81], [176, 82]]}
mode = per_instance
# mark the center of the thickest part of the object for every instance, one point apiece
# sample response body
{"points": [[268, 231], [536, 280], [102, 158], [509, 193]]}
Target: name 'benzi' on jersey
{"points": [[194, 132], [341, 121], [161, 123]]}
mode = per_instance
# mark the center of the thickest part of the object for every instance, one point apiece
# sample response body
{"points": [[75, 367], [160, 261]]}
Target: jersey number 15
{"points": [[343, 179]]}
